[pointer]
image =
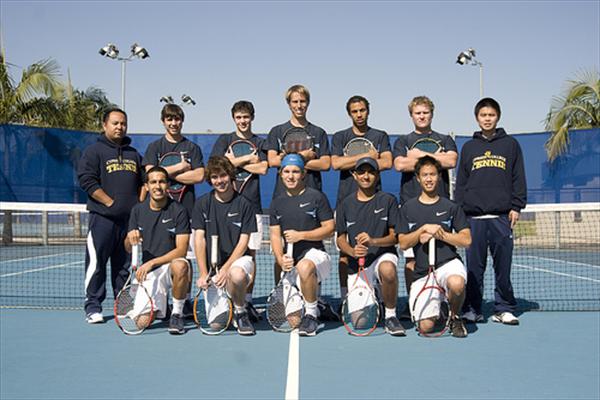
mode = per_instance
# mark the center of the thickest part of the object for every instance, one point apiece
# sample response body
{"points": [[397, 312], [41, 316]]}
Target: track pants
{"points": [[496, 234], [104, 241]]}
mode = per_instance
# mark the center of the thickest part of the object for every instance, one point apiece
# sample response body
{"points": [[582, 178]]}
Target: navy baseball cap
{"points": [[367, 161]]}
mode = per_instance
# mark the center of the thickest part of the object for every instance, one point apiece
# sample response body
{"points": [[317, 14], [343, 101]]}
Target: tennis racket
{"points": [[134, 308], [295, 140], [213, 309], [431, 303], [427, 145], [358, 145], [241, 148], [285, 305], [176, 190], [360, 309]]}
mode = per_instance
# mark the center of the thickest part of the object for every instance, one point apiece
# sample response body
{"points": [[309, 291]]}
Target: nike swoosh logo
{"points": [[302, 205], [278, 217], [164, 221], [238, 224], [378, 210], [439, 214], [411, 225], [349, 224], [172, 230], [232, 214]]}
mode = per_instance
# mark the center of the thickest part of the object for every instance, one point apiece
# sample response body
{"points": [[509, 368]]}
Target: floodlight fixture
{"points": [[468, 57], [188, 100], [167, 100]]}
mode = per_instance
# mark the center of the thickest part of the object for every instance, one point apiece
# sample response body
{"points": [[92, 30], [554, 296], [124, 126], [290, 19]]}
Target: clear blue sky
{"points": [[221, 52]]}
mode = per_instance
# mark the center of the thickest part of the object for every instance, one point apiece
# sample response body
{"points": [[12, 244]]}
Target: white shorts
{"points": [[408, 253], [428, 304], [247, 264], [256, 237], [322, 261], [190, 253], [158, 282], [356, 303]]}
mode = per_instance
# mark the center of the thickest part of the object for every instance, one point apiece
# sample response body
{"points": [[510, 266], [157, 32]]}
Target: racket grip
{"points": [[289, 251], [432, 252], [214, 248], [135, 255], [361, 262]]}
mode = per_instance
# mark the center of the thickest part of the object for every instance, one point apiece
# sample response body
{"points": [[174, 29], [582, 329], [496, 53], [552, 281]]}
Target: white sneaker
{"points": [[506, 318], [471, 317], [94, 318]]}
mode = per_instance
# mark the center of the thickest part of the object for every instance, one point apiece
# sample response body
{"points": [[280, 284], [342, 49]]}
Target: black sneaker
{"points": [[394, 327], [405, 313], [188, 309], [176, 325], [243, 324], [308, 326], [457, 327], [253, 314], [326, 312]]}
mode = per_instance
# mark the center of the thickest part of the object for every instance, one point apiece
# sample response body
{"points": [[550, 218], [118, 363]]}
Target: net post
{"points": [[7, 231], [557, 229], [45, 228]]}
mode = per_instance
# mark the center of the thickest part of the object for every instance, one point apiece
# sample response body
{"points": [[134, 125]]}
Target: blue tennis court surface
{"points": [[55, 354]]}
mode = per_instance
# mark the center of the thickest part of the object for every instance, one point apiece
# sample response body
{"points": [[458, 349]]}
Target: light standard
{"points": [[185, 99], [468, 57], [111, 51]]}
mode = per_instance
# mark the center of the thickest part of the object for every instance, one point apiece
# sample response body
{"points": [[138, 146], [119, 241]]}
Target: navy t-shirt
{"points": [[193, 155], [159, 228], [251, 189], [321, 148], [380, 140], [447, 214], [303, 212], [374, 217], [227, 220], [409, 186]]}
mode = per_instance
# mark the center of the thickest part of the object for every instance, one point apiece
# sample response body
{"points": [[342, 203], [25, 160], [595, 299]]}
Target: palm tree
{"points": [[577, 108], [82, 110]]}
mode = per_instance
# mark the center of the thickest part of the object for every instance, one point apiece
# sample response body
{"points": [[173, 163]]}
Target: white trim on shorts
{"points": [[255, 240], [432, 306]]}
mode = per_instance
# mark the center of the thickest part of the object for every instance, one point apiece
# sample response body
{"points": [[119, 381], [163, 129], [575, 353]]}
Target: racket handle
{"points": [[214, 248], [361, 262], [432, 252], [135, 255], [289, 251]]}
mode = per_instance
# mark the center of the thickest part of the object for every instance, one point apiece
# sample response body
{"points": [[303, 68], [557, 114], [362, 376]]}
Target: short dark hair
{"points": [[243, 106], [218, 164], [427, 160], [156, 168], [111, 110], [356, 99], [172, 110], [487, 102]]}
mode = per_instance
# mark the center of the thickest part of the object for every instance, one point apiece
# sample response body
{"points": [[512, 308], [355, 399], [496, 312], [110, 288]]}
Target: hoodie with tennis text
{"points": [[491, 175], [115, 168]]}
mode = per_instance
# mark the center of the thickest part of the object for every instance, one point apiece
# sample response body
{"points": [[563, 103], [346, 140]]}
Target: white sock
{"points": [[239, 309], [390, 312], [311, 308], [178, 306], [343, 291], [249, 297]]}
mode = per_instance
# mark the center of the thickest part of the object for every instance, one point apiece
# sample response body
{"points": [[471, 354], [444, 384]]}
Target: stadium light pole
{"points": [[111, 51], [468, 57]]}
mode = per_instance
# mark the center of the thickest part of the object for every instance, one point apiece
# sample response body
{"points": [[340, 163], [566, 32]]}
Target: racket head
{"points": [[285, 306], [357, 146], [360, 309], [431, 309], [166, 160], [295, 140], [134, 309], [427, 145], [213, 310]]}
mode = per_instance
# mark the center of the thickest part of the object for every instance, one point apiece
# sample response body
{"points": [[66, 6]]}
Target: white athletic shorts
{"points": [[372, 272], [428, 305], [247, 264], [256, 237], [322, 261]]}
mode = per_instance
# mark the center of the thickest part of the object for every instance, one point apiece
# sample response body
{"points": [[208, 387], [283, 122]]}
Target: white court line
{"points": [[292, 386], [37, 257], [564, 261], [29, 271], [583, 278]]}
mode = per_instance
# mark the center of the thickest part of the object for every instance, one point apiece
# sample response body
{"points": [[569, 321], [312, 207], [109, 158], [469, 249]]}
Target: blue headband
{"points": [[293, 159]]}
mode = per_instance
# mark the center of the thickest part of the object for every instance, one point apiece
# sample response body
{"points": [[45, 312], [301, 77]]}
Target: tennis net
{"points": [[556, 262]]}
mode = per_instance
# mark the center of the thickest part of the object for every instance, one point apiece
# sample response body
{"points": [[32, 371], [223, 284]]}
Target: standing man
{"points": [[162, 227], [432, 216], [365, 223], [225, 213], [256, 164], [492, 190], [317, 159], [302, 216], [110, 173], [358, 110], [406, 157]]}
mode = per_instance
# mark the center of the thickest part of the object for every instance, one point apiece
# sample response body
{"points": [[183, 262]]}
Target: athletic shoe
{"points": [[253, 314], [176, 325], [326, 312], [506, 318], [394, 327], [188, 309], [243, 324], [405, 313], [472, 317], [94, 318], [457, 327], [308, 326]]}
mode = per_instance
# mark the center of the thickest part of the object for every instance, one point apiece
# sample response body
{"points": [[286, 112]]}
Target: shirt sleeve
{"points": [[198, 221], [462, 176], [337, 144], [323, 144], [273, 221], [133, 224], [400, 146], [340, 219], [220, 146], [449, 144], [324, 212], [392, 210], [384, 144], [88, 172], [182, 221], [261, 148], [459, 220], [402, 226], [151, 155], [248, 218], [273, 140], [196, 159], [519, 183]]}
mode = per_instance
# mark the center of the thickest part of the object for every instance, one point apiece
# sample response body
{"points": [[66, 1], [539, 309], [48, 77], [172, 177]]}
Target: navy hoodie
{"points": [[117, 170], [491, 175]]}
